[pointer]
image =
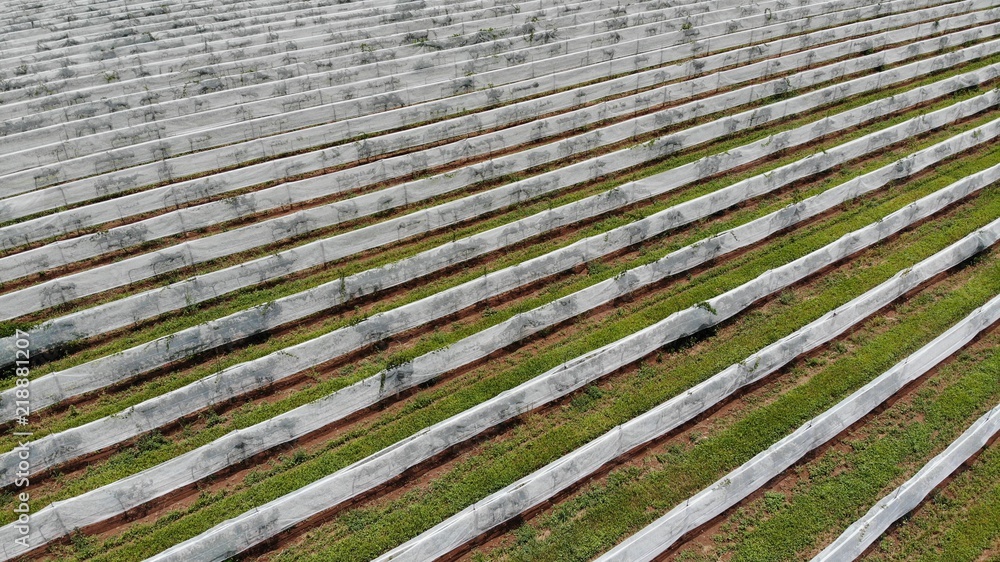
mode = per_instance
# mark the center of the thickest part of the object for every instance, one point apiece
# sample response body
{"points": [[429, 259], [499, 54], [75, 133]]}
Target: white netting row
{"points": [[66, 222], [190, 467], [101, 372], [738, 484], [330, 133], [230, 20], [300, 73], [282, 34], [168, 54], [337, 15], [483, 95], [381, 93], [139, 27], [240, 239], [418, 18], [98, 24], [63, 447], [865, 531], [41, 14], [266, 71], [288, 71], [572, 468], [245, 531], [152, 303], [287, 309]]}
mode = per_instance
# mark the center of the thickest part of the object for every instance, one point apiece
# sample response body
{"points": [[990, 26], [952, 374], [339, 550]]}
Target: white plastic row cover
{"points": [[156, 141], [99, 373], [188, 219], [135, 60], [132, 309], [738, 484], [188, 468], [147, 35], [865, 531], [285, 71], [56, 449], [231, 22], [178, 193], [269, 231], [131, 492], [261, 523], [485, 94], [572, 468]]}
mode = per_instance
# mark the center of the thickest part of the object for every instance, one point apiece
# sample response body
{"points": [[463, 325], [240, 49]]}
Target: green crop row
{"points": [[606, 513], [961, 521], [120, 400], [841, 484], [361, 441], [140, 457], [389, 522]]}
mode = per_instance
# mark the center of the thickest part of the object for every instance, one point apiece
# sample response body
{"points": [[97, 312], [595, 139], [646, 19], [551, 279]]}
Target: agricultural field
{"points": [[493, 280]]}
